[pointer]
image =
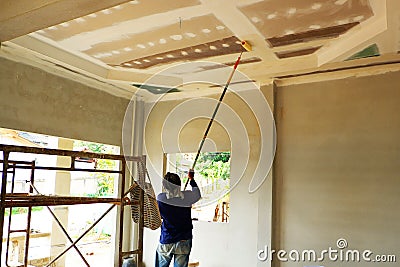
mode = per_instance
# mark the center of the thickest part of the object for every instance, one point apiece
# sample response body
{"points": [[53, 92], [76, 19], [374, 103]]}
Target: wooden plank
{"points": [[41, 200], [226, 46], [68, 153], [296, 53], [330, 32]]}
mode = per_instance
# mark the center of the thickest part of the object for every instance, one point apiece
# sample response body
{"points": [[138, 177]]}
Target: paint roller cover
{"points": [[246, 46]]}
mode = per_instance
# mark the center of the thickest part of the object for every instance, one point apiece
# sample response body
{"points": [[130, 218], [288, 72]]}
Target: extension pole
{"points": [[214, 114]]}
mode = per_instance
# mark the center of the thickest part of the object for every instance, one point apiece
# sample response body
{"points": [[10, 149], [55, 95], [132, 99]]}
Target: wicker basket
{"points": [[152, 217]]}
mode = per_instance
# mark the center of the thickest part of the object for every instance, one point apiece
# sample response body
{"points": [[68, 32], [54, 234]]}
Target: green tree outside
{"points": [[105, 181]]}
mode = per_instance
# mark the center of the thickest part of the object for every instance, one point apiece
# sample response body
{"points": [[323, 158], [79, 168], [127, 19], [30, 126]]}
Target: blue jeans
{"points": [[179, 251]]}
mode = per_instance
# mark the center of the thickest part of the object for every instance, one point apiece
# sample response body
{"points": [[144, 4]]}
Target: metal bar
{"points": [[213, 115], [68, 169], [141, 216], [8, 236], [9, 216], [13, 177], [136, 251], [18, 162], [18, 231], [121, 214], [3, 196], [87, 231], [69, 153], [133, 185], [63, 229], [223, 211], [141, 227], [72, 163], [27, 238], [67, 235], [28, 223], [31, 201], [20, 200], [82, 235]]}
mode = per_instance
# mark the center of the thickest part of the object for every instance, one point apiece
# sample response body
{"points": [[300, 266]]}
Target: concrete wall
{"points": [[337, 167], [215, 244], [38, 101], [335, 176]]}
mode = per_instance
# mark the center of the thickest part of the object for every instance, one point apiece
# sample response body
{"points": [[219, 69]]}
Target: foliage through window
{"points": [[104, 183], [212, 174]]}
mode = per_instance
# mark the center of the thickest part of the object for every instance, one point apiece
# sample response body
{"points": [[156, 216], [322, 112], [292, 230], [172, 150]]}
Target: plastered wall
{"points": [[34, 100], [216, 244], [337, 167], [38, 101], [336, 172]]}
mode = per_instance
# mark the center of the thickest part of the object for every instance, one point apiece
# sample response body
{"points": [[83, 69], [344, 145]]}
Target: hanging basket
{"points": [[151, 213]]}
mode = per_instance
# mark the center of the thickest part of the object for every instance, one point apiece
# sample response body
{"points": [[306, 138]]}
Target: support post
{"points": [[61, 187], [3, 197]]}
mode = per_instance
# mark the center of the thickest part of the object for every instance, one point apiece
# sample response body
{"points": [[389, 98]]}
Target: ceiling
{"points": [[127, 43]]}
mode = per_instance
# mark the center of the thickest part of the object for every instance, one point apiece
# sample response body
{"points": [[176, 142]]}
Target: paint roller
{"points": [[247, 46]]}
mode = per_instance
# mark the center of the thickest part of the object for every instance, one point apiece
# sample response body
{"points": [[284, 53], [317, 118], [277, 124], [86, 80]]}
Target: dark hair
{"points": [[172, 178]]}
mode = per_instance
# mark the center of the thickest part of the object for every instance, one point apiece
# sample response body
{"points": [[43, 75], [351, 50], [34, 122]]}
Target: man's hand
{"points": [[191, 174]]}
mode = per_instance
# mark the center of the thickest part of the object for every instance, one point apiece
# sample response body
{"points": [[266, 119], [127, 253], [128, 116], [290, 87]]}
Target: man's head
{"points": [[171, 180]]}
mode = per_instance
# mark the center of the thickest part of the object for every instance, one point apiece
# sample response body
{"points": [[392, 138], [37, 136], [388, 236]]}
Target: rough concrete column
{"points": [[265, 199], [61, 187]]}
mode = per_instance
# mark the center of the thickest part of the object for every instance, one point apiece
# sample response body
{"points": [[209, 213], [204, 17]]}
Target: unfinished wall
{"points": [[217, 244], [37, 101], [337, 167], [34, 100]]}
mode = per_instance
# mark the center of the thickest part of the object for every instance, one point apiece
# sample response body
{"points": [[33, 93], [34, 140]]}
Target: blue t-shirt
{"points": [[177, 215]]}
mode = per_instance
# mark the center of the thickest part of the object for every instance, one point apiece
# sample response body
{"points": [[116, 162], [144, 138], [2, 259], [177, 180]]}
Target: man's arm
{"points": [[194, 195]]}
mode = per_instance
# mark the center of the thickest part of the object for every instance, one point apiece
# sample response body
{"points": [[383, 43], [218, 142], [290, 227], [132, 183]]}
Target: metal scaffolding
{"points": [[10, 199]]}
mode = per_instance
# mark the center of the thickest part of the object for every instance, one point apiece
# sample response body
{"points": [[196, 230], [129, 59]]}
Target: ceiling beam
{"points": [[16, 53], [356, 37], [227, 11], [340, 70], [48, 49], [20, 17], [389, 41]]}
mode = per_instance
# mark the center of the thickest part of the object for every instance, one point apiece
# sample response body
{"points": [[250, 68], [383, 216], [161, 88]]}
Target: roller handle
{"points": [[213, 116]]}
